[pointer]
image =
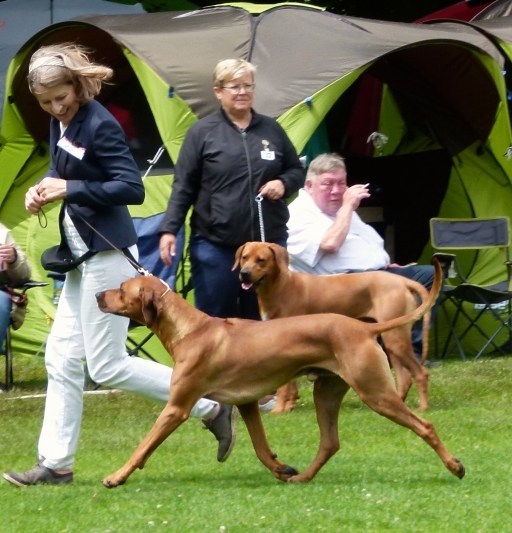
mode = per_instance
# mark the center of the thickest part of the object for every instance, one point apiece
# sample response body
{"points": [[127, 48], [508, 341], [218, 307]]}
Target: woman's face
{"points": [[60, 101], [236, 95]]}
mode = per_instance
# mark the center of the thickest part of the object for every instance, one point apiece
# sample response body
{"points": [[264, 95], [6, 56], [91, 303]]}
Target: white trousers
{"points": [[81, 332]]}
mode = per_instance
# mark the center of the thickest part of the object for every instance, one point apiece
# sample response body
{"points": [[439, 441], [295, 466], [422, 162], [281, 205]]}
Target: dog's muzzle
{"points": [[247, 283]]}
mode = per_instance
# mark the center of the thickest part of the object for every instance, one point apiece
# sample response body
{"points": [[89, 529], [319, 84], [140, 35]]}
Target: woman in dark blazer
{"points": [[95, 176]]}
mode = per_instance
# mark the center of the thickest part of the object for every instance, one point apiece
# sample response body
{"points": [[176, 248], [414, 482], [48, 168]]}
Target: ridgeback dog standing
{"points": [[237, 361], [378, 295]]}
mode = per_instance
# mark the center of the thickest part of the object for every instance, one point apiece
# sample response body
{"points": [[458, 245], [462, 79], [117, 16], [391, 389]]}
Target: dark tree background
{"points": [[395, 10]]}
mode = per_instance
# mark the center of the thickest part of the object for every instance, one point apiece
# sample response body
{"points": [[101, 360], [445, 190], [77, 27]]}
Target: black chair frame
{"points": [[477, 235], [7, 348]]}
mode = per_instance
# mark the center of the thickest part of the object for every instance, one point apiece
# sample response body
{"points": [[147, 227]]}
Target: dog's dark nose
{"points": [[245, 275], [98, 295]]}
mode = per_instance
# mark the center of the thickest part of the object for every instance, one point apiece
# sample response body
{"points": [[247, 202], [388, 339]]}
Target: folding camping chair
{"points": [[7, 348], [466, 305]]}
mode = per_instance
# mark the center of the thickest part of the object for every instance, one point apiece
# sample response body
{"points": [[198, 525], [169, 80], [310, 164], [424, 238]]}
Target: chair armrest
{"points": [[446, 261], [30, 284]]}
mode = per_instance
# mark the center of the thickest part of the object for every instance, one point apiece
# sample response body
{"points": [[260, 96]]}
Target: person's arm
{"points": [[335, 236], [33, 200], [14, 261], [167, 247], [186, 184], [306, 226], [185, 188], [124, 184]]}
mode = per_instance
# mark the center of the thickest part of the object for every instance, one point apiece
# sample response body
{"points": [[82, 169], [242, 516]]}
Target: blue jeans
{"points": [[5, 316], [217, 289], [423, 274]]}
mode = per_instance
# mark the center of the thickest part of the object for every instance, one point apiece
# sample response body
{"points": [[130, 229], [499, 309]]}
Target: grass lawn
{"points": [[384, 478]]}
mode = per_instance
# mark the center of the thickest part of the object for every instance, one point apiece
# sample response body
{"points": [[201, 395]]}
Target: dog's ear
{"points": [[149, 311], [281, 255], [238, 256]]}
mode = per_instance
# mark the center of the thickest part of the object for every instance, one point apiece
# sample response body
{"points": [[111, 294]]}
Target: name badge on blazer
{"points": [[70, 148]]}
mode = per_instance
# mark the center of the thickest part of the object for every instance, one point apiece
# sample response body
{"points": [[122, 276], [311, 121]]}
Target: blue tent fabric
{"points": [[149, 253]]}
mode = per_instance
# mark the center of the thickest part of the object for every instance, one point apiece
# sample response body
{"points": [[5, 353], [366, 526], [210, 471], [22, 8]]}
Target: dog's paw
{"points": [[285, 472], [110, 483], [460, 471], [299, 478]]}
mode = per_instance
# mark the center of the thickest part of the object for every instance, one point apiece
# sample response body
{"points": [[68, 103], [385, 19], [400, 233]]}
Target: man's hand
{"points": [[335, 236], [272, 190], [167, 248], [353, 196]]}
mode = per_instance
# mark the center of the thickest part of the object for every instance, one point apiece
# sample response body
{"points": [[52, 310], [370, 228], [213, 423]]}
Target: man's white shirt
{"points": [[363, 248]]}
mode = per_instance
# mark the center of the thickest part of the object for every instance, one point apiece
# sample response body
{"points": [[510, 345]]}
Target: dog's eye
{"points": [[260, 260]]}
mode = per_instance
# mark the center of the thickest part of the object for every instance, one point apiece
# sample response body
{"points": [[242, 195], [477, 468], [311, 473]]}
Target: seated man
{"points": [[327, 236], [14, 271]]}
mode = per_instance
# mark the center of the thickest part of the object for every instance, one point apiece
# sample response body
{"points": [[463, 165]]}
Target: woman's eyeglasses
{"points": [[235, 89]]}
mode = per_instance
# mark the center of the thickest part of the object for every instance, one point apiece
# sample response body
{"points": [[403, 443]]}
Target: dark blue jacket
{"points": [[103, 182], [220, 170]]}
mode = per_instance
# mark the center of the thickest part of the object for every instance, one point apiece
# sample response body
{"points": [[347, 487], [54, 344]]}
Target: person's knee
{"points": [[5, 307], [107, 373], [424, 274], [5, 315]]}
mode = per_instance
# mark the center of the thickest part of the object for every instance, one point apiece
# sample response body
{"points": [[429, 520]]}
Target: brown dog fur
{"points": [[377, 295], [237, 361]]}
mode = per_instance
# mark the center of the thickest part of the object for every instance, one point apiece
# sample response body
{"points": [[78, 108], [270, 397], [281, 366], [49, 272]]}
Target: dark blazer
{"points": [[103, 182]]}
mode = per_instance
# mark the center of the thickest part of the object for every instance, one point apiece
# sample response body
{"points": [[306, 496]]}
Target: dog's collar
{"points": [[166, 290]]}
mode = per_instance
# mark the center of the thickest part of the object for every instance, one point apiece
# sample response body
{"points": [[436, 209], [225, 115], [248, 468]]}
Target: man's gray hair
{"points": [[325, 163]]}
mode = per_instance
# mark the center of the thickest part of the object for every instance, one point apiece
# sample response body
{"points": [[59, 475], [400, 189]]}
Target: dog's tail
{"points": [[419, 292], [381, 327]]}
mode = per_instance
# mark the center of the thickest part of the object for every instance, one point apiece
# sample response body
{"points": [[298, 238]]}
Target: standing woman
{"points": [[226, 161], [94, 174]]}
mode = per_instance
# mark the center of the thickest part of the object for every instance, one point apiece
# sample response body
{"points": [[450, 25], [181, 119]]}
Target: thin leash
{"points": [[137, 266], [259, 200]]}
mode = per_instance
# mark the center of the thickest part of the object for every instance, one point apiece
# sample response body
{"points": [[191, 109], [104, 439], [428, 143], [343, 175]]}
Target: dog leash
{"points": [[138, 267], [129, 257], [259, 200]]}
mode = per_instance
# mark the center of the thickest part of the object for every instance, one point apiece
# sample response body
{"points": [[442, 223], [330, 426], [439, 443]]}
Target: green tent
{"points": [[440, 100]]}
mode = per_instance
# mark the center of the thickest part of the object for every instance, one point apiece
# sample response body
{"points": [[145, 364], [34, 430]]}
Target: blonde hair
{"points": [[229, 69], [67, 63], [325, 163]]}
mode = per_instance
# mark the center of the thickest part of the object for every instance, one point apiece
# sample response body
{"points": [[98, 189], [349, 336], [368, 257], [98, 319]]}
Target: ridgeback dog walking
{"points": [[378, 295], [237, 361]]}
